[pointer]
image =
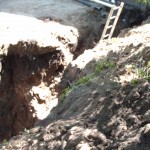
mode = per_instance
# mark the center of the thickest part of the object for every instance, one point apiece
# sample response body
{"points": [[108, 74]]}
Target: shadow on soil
{"points": [[115, 109], [18, 75]]}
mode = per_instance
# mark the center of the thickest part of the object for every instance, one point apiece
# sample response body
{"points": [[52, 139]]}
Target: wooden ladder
{"points": [[109, 26]]}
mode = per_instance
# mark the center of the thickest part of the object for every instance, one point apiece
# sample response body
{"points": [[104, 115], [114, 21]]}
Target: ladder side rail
{"points": [[116, 20], [107, 22]]}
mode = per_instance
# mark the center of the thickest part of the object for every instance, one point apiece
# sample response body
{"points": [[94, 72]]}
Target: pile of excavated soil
{"points": [[70, 13], [110, 111], [33, 55]]}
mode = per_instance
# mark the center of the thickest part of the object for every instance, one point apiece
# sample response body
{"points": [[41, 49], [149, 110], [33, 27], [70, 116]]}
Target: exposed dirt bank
{"points": [[33, 56], [70, 13], [109, 109]]}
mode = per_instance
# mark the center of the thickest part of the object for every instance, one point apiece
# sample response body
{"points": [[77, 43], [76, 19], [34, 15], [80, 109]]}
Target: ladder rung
{"points": [[109, 26], [116, 8], [113, 17], [106, 35]]}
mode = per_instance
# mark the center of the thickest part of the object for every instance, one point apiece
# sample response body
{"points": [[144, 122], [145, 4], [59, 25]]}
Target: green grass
{"points": [[66, 92], [84, 80], [26, 131], [134, 82], [103, 66], [5, 141], [142, 72], [148, 64], [98, 68]]}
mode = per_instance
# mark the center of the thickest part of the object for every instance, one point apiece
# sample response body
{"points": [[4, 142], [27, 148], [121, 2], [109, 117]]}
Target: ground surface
{"points": [[110, 109], [106, 101], [68, 12]]}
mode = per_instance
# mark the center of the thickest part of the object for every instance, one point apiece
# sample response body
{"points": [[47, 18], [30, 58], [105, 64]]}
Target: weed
{"points": [[84, 80], [148, 78], [141, 72], [66, 92], [144, 73], [103, 65], [26, 131], [134, 82], [148, 64], [5, 141]]}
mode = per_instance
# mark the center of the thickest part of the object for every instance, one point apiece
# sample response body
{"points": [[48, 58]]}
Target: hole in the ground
{"points": [[24, 82], [20, 76]]}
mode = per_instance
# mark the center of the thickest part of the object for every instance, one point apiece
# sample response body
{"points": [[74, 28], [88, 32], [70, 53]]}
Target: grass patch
{"points": [[148, 64], [66, 92], [98, 68], [84, 80], [26, 131], [5, 141], [144, 73], [101, 66], [134, 82]]}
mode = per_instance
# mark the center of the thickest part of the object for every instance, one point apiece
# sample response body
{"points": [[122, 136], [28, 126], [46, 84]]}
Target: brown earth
{"points": [[105, 110], [110, 110], [70, 13], [34, 54], [33, 57]]}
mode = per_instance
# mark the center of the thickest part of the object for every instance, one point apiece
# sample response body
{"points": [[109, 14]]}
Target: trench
{"points": [[19, 74]]}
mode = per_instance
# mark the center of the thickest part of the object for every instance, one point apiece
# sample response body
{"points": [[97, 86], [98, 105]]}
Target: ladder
{"points": [[111, 21]]}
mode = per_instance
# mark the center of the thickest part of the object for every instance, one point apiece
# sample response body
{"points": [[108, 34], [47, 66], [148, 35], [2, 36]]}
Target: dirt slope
{"points": [[108, 107]]}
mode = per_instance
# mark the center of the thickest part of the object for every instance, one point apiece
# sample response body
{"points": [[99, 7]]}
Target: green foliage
{"points": [[143, 72], [148, 64], [148, 78], [26, 131], [103, 65], [147, 2], [99, 67], [84, 80], [134, 82], [5, 141], [66, 92]]}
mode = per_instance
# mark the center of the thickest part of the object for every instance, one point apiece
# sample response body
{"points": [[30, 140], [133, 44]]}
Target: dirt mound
{"points": [[106, 104], [33, 57]]}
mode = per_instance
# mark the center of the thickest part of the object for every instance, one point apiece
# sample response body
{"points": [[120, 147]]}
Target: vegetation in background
{"points": [[134, 82], [26, 131], [5, 141], [147, 2], [142, 72], [103, 65], [66, 92]]}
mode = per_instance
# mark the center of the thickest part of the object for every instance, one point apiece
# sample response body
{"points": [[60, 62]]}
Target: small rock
{"points": [[35, 130], [83, 146], [147, 129], [134, 95], [147, 116]]}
